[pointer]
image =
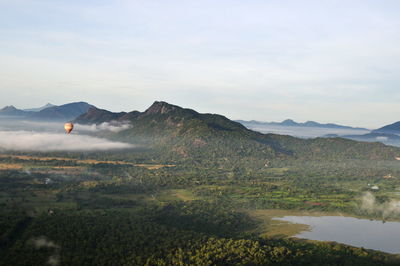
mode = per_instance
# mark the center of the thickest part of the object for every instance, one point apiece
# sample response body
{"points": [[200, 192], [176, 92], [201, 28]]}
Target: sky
{"points": [[327, 61]]}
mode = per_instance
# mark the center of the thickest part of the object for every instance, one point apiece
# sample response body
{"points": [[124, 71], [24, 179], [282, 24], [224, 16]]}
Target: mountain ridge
{"points": [[11, 110], [292, 123], [47, 105], [185, 133], [393, 128], [63, 112]]}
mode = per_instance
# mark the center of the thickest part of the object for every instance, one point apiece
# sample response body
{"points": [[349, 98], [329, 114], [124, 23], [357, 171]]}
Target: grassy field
{"points": [[8, 166], [84, 162], [268, 227]]}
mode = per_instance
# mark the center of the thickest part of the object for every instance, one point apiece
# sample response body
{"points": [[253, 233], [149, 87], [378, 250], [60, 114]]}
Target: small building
{"points": [[375, 187]]}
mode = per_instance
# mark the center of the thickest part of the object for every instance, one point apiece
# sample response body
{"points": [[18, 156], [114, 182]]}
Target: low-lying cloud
{"points": [[382, 138], [43, 242], [113, 126], [6, 123], [37, 141], [306, 132], [387, 209]]}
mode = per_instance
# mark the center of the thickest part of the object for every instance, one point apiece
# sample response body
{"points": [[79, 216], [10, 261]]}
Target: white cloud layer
{"points": [[34, 141], [43, 242], [306, 132], [386, 209], [113, 126]]}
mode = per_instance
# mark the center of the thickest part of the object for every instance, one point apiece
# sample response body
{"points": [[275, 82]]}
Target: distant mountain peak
{"points": [[9, 108], [47, 105], [160, 107], [12, 111], [311, 123], [65, 112], [292, 123], [289, 122]]}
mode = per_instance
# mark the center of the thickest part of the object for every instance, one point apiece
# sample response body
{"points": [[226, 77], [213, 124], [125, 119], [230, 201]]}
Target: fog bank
{"points": [[386, 209], [113, 126], [35, 141]]}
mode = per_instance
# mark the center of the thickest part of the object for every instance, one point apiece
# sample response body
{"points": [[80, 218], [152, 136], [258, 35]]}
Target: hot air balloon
{"points": [[68, 127]]}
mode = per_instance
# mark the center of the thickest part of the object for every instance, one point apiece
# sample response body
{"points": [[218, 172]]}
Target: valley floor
{"points": [[76, 209]]}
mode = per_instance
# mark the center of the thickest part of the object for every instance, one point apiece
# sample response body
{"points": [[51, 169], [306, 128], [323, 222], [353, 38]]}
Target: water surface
{"points": [[351, 231]]}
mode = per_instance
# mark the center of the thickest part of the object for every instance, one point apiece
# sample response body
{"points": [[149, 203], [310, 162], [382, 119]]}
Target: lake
{"points": [[351, 231]]}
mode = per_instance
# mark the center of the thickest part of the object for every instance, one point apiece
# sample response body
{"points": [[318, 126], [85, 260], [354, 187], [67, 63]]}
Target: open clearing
{"points": [[10, 166], [183, 194], [87, 161], [274, 228]]}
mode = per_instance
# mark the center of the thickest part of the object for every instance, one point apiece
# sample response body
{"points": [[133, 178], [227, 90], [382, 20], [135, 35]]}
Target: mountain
{"points": [[40, 108], [63, 112], [291, 123], [389, 129], [98, 116], [185, 133], [288, 122], [12, 111]]}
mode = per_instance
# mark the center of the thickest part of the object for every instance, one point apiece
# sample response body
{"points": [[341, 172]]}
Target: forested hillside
{"points": [[180, 133]]}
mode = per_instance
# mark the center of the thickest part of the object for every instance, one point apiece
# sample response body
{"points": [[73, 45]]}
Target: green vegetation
{"points": [[123, 214], [175, 134], [190, 194]]}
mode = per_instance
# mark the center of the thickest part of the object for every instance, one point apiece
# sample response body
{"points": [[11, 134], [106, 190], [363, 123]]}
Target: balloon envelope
{"points": [[68, 127]]}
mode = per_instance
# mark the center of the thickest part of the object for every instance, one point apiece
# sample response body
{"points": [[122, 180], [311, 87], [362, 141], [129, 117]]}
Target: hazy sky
{"points": [[329, 61]]}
